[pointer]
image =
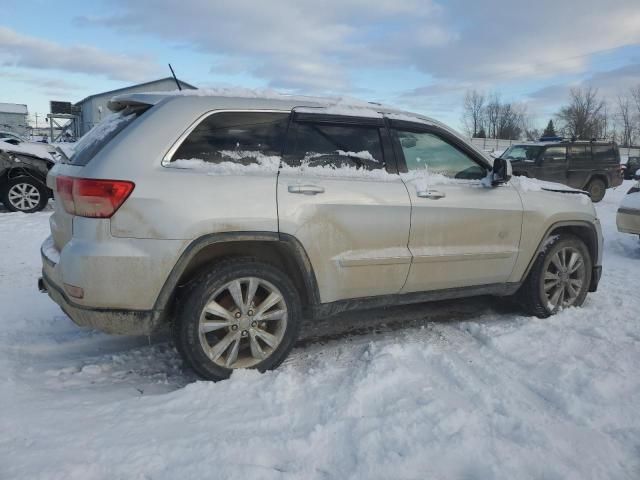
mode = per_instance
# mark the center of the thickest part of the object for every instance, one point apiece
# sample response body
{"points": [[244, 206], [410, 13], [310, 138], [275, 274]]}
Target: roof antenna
{"points": [[174, 77]]}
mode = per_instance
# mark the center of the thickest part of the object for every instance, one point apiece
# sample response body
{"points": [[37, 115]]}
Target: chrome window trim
{"points": [[166, 160]]}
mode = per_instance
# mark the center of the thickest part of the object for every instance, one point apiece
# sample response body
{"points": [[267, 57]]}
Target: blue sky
{"points": [[420, 55]]}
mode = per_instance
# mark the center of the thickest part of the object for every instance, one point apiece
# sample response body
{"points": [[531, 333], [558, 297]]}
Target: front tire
{"points": [[241, 314], [24, 194], [559, 278], [597, 188]]}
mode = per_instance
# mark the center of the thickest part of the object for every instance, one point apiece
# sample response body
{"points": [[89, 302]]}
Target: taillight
{"points": [[88, 197], [64, 187]]}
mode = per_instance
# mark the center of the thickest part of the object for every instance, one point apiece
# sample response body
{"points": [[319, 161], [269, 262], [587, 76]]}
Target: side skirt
{"points": [[328, 309]]}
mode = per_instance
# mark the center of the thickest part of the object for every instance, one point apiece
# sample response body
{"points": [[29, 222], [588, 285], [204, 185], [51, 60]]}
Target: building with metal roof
{"points": [[14, 118]]}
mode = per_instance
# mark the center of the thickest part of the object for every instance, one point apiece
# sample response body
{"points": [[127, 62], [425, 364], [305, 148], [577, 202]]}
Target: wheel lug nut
{"points": [[244, 333], [254, 324], [250, 312], [234, 327], [238, 315]]}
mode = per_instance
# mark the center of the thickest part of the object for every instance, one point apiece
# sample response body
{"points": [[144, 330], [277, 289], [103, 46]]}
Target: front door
{"points": [[553, 165], [339, 194], [463, 232]]}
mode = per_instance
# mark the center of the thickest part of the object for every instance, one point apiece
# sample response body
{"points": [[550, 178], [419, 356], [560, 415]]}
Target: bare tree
{"points": [[473, 113], [585, 116], [511, 120], [635, 94], [626, 121], [492, 114]]}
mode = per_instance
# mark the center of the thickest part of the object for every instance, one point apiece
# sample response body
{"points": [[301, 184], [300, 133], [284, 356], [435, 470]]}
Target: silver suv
{"points": [[231, 219]]}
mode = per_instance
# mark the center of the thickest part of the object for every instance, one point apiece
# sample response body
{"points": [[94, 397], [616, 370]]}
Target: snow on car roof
{"points": [[250, 98]]}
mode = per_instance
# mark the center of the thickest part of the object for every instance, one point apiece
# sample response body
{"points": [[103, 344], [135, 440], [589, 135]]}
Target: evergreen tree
{"points": [[550, 131]]}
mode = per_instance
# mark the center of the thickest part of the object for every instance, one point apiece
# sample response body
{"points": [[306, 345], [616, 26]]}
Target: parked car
{"points": [[231, 219], [23, 174], [631, 167], [591, 166], [10, 136], [628, 216]]}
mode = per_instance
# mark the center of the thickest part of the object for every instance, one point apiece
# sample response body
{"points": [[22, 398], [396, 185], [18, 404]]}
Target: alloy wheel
{"points": [[243, 323], [24, 196], [564, 278]]}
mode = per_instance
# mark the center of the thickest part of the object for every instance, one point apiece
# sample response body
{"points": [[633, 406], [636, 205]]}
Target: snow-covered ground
{"points": [[454, 390]]}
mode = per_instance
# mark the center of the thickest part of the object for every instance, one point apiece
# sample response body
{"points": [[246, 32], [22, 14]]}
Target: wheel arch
{"points": [[583, 230], [21, 171], [280, 250], [597, 175]]}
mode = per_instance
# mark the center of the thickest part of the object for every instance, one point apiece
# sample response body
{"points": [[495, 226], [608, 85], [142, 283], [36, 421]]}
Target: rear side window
{"points": [[579, 153], [238, 137], [100, 135], [604, 153], [335, 146]]}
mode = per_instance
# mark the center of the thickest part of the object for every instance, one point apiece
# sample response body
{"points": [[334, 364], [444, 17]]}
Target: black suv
{"points": [[23, 178], [592, 166], [632, 166]]}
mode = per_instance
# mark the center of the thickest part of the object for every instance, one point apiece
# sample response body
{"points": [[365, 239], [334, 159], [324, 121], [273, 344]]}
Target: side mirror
{"points": [[637, 175], [501, 172]]}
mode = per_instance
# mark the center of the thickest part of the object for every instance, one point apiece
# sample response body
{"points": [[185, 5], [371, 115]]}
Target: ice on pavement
{"points": [[480, 392]]}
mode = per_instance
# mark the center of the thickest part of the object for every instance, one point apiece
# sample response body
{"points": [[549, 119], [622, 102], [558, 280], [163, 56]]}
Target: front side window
{"points": [[555, 154], [522, 153], [335, 146], [239, 137], [427, 151]]}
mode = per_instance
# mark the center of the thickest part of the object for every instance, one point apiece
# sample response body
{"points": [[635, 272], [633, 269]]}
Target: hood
{"points": [[527, 184], [34, 149]]}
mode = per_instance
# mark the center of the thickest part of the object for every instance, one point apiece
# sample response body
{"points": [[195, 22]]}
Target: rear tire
{"points": [[242, 314], [560, 277], [597, 188], [24, 194]]}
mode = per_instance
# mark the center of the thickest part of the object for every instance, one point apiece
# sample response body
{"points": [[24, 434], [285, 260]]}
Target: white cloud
{"points": [[30, 52], [303, 44]]}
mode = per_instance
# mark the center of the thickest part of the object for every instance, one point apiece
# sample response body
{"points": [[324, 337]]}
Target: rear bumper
{"points": [[114, 321], [628, 220]]}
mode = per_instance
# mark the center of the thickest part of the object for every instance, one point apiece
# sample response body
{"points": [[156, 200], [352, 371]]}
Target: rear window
{"points": [[239, 137], [98, 137]]}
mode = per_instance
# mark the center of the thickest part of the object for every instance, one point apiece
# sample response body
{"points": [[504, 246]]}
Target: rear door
{"points": [[553, 164], [339, 195], [463, 233]]}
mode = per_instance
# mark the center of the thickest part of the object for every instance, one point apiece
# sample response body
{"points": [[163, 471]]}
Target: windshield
{"points": [[520, 153], [101, 134]]}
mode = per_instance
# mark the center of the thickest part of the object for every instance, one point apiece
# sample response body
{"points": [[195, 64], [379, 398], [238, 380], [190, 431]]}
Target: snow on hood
{"points": [[631, 201], [30, 148], [527, 184]]}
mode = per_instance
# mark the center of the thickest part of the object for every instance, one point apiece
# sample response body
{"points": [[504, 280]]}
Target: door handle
{"points": [[306, 189], [431, 194]]}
